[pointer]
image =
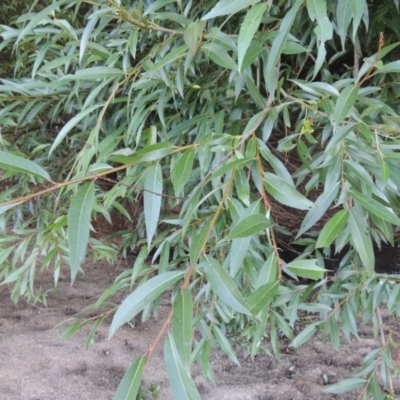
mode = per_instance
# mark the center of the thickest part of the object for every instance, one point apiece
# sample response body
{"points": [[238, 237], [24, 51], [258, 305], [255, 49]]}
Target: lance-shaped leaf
{"points": [[71, 124], [226, 7], [219, 55], [182, 325], [11, 162], [346, 385], [306, 269], [142, 296], [332, 229], [286, 193], [192, 35], [305, 334], [317, 11], [224, 286], [362, 241], [278, 45], [261, 297], [175, 54], [182, 385], [375, 207], [345, 101], [249, 226], [321, 205], [130, 383], [95, 73], [199, 242], [248, 29], [153, 187], [225, 345], [79, 214], [182, 170], [150, 153]]}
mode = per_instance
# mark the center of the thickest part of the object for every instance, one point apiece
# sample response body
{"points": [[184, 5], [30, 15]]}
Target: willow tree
{"points": [[236, 128]]}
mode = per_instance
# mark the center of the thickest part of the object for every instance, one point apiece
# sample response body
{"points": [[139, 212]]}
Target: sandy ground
{"points": [[37, 364]]}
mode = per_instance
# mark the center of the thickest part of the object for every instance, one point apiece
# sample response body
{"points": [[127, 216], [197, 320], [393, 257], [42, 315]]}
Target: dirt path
{"points": [[36, 364]]}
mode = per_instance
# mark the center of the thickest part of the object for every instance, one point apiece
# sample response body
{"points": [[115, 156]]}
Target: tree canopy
{"points": [[234, 129]]}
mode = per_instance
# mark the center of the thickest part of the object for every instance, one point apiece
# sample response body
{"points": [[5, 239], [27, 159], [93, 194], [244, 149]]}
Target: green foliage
{"points": [[213, 117]]}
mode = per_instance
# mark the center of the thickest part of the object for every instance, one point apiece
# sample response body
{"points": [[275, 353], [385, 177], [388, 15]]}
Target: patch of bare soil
{"points": [[36, 364]]}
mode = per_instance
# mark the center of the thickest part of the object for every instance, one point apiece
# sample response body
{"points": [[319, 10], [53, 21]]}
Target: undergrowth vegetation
{"points": [[232, 129]]}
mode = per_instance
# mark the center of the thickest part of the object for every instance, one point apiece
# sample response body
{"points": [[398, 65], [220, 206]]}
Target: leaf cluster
{"points": [[220, 122]]}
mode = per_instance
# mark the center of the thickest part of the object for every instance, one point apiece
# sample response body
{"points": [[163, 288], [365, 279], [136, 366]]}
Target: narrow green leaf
{"points": [[269, 271], [225, 345], [278, 45], [343, 18], [182, 170], [37, 18], [219, 55], [334, 333], [182, 325], [321, 206], [248, 29], [71, 124], [223, 285], [11, 162], [374, 207], [192, 35], [153, 188], [242, 186], [391, 67], [237, 254], [317, 11], [95, 73], [142, 296], [306, 269], [3, 209], [225, 7], [230, 165], [174, 55], [150, 153], [358, 7], [86, 35], [346, 100], [332, 229], [199, 241], [130, 383], [286, 193], [305, 334], [79, 215], [261, 297], [346, 385], [249, 226], [181, 383], [362, 241]]}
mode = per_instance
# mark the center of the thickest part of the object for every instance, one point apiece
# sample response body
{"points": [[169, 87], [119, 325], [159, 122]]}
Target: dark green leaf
{"points": [[182, 325], [180, 381], [130, 383], [261, 297], [248, 29], [332, 229], [223, 285], [306, 269], [79, 215], [153, 188], [346, 385], [11, 162], [346, 100], [142, 296], [249, 226]]}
